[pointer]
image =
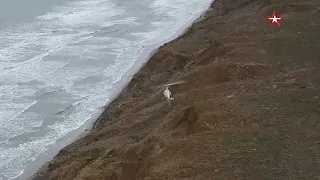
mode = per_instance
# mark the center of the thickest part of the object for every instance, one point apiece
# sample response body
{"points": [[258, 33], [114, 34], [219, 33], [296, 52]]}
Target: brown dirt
{"points": [[250, 109]]}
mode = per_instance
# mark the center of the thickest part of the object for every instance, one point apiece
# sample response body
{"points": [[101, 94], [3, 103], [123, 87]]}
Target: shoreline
{"points": [[45, 158], [248, 111]]}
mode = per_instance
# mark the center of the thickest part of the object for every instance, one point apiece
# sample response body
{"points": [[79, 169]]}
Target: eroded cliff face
{"points": [[250, 109]]}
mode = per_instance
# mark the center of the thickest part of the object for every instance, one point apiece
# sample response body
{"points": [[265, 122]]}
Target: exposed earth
{"points": [[250, 109]]}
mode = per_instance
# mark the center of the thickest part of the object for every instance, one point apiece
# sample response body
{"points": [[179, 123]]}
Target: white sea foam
{"points": [[22, 123], [31, 71], [84, 13], [13, 110], [14, 120], [16, 158]]}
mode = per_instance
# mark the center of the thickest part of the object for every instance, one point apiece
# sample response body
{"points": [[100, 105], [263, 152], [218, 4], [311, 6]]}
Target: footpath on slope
{"points": [[250, 109]]}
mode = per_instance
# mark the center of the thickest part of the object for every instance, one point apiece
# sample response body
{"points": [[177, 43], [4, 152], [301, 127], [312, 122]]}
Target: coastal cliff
{"points": [[250, 109]]}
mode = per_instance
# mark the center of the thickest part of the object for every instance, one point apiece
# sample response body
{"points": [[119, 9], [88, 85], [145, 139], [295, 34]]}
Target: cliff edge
{"points": [[250, 109]]}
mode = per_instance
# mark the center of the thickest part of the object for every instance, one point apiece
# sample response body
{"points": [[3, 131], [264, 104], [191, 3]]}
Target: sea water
{"points": [[59, 60]]}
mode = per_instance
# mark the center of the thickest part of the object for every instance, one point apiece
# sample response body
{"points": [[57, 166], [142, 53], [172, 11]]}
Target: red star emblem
{"points": [[274, 19]]}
